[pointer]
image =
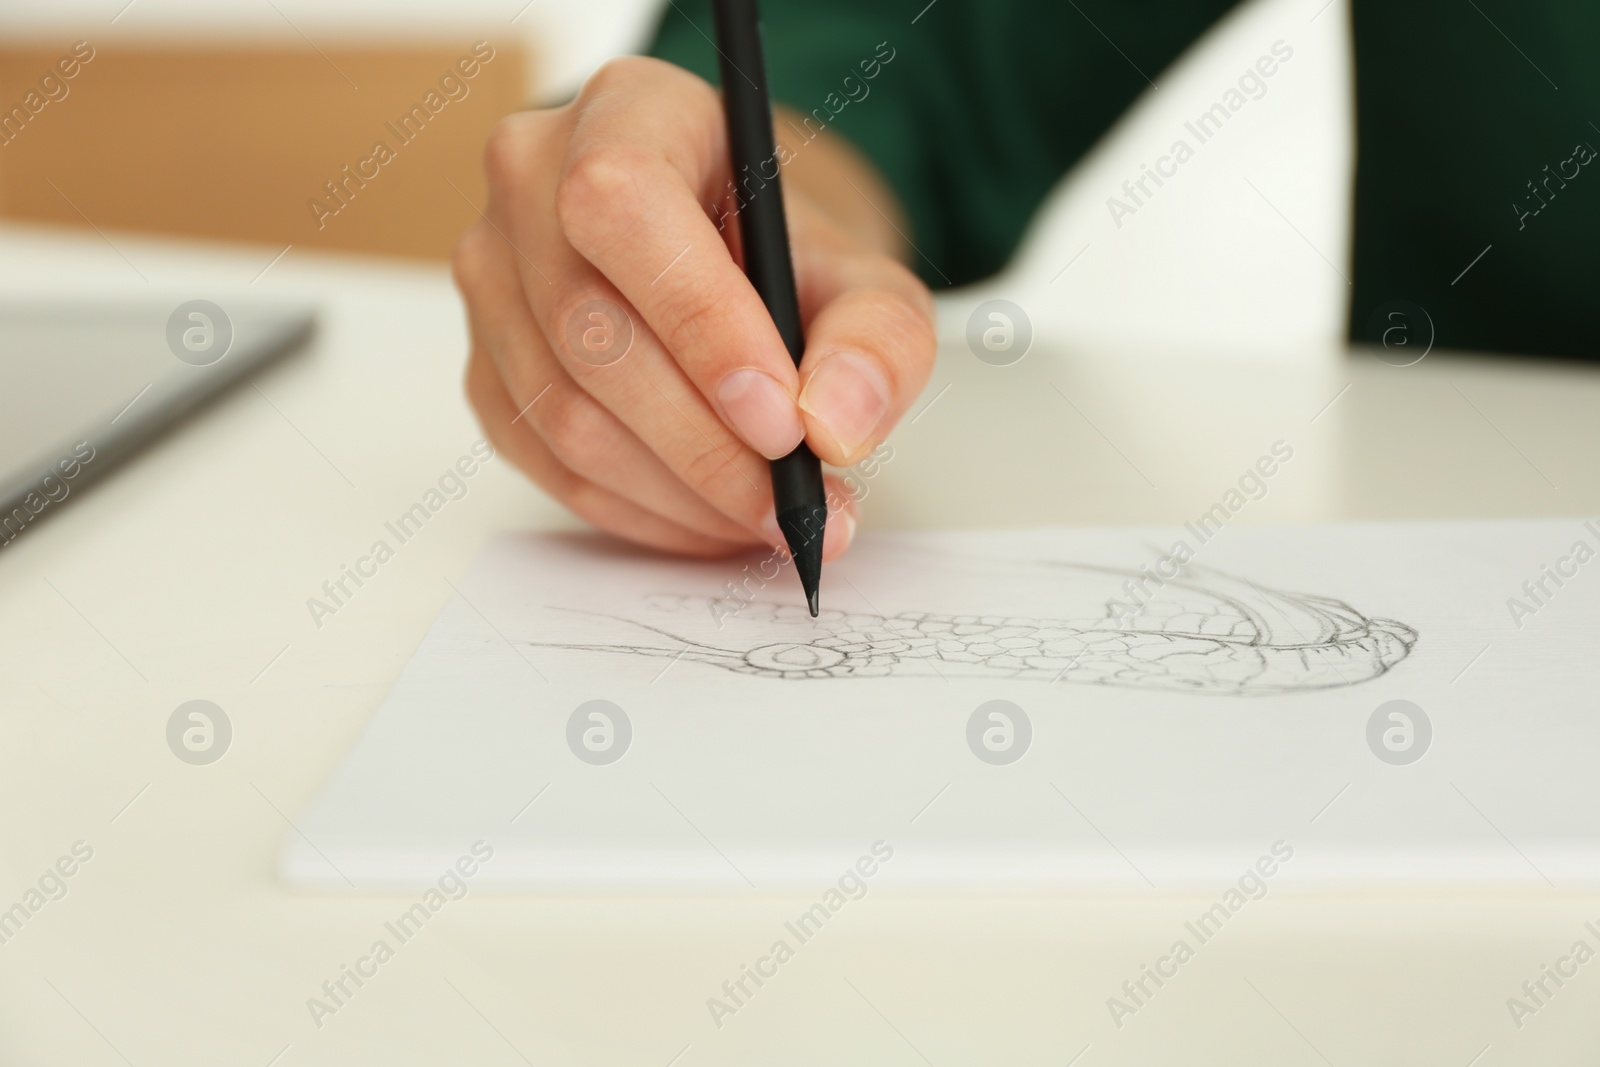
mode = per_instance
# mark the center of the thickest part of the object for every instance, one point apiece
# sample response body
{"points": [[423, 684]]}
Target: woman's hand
{"points": [[619, 355]]}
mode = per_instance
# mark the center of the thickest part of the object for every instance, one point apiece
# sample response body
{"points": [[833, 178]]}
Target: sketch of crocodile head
{"points": [[1206, 632]]}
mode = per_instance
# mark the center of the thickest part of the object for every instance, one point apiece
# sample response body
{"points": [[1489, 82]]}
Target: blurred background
{"points": [[222, 120], [226, 120]]}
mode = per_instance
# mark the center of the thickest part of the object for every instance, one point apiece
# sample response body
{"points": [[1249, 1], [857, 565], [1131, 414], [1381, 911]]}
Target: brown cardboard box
{"points": [[243, 143]]}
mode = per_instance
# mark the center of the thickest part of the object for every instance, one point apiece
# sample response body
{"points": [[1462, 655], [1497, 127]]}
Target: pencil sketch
{"points": [[1206, 632]]}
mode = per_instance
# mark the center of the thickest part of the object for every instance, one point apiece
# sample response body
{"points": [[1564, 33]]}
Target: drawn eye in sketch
{"points": [[1206, 632]]}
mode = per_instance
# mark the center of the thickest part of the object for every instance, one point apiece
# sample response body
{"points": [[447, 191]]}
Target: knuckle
{"points": [[691, 316], [630, 71], [567, 310], [702, 98], [591, 328], [707, 471], [595, 181], [568, 423], [602, 507], [511, 149], [470, 256], [476, 383], [617, 72], [486, 397], [582, 498]]}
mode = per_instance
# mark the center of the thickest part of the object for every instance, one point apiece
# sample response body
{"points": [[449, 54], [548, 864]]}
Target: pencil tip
{"points": [[802, 528]]}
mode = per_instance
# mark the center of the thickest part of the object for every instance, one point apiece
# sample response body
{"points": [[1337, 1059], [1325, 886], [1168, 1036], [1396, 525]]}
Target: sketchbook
{"points": [[999, 711]]}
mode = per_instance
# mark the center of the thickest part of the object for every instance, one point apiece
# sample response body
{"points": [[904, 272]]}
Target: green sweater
{"points": [[973, 110]]}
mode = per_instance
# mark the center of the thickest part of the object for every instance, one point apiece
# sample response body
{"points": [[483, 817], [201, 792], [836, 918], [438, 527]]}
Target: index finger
{"points": [[648, 151]]}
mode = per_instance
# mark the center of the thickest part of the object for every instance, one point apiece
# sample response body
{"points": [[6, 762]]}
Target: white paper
{"points": [[1188, 700]]}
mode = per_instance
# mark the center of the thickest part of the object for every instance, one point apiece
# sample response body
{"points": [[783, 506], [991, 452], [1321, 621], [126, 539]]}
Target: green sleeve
{"points": [[1473, 198], [1476, 197], [971, 112]]}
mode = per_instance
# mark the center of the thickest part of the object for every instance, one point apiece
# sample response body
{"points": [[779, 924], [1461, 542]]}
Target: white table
{"points": [[186, 576]]}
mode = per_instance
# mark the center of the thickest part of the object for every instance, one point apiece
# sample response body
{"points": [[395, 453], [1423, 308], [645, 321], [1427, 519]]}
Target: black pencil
{"points": [[798, 495]]}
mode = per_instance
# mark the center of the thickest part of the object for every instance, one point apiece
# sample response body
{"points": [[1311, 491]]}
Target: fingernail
{"points": [[848, 395], [761, 412], [838, 534]]}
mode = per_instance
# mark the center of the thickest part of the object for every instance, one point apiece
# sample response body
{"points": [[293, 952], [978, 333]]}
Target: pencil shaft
{"points": [[758, 187], [799, 496]]}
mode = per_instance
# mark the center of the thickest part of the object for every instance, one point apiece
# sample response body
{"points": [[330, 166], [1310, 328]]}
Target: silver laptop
{"points": [[86, 383]]}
